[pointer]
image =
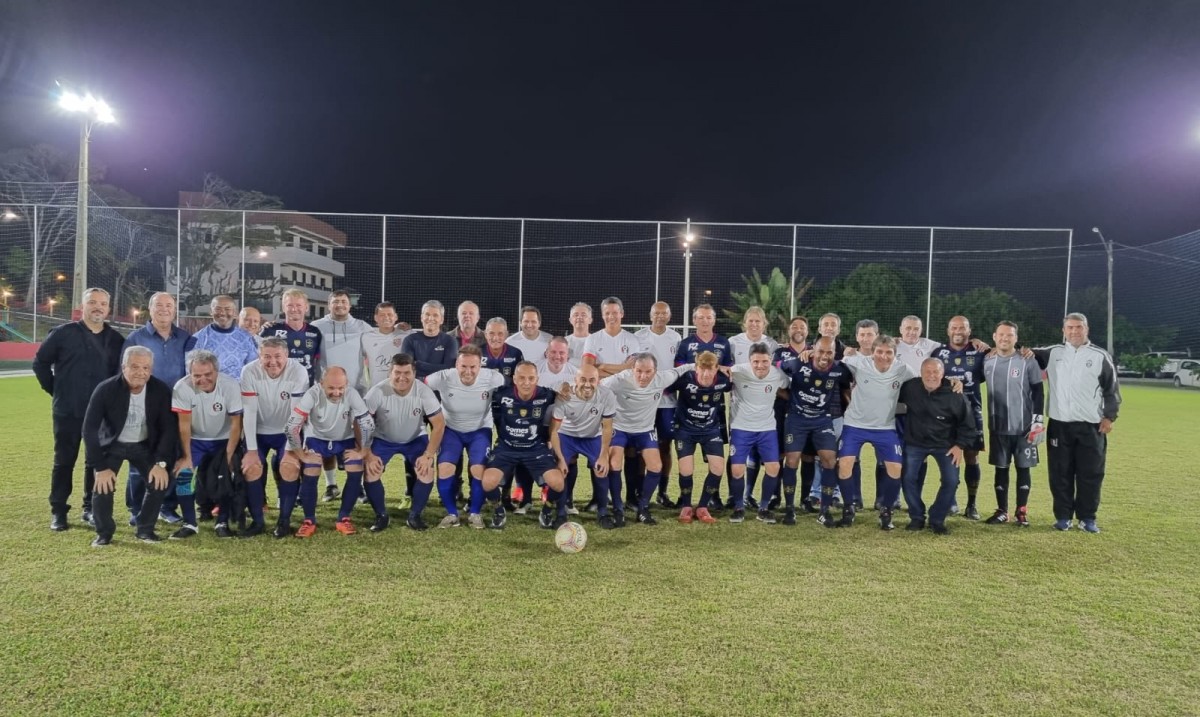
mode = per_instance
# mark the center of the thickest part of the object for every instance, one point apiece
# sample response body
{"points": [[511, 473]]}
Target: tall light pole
{"points": [[91, 111], [687, 276], [1108, 249]]}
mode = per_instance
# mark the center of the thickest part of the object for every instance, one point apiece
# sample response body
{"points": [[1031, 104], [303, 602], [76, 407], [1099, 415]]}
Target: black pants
{"points": [[68, 432], [1077, 452], [138, 456]]}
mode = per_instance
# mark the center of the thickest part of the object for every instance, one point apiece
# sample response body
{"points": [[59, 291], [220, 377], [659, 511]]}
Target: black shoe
{"points": [[972, 512], [606, 522], [87, 519], [148, 537], [858, 504], [939, 528], [590, 507], [730, 503], [752, 504], [915, 526], [878, 505], [559, 521], [332, 493], [644, 517], [222, 530], [766, 516], [282, 530], [715, 505], [254, 530], [825, 519], [507, 504], [545, 518], [204, 516], [58, 522], [847, 518], [383, 521], [499, 518], [738, 516], [807, 506], [775, 503], [789, 516], [619, 519], [885, 520], [184, 533], [101, 541], [666, 502]]}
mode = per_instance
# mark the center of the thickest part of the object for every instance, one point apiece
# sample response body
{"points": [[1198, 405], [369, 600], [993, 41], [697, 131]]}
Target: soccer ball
{"points": [[570, 537]]}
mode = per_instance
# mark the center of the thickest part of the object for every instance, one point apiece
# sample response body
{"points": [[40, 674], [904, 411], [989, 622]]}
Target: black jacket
{"points": [[72, 361], [940, 419], [106, 413]]}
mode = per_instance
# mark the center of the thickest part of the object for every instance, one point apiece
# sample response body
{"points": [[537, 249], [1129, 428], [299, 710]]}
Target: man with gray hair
{"points": [[1084, 401], [581, 322], [467, 332], [128, 419], [233, 346], [432, 349], [209, 406]]}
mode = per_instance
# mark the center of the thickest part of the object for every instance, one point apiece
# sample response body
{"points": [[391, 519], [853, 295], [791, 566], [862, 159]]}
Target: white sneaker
{"points": [[475, 520], [450, 521]]}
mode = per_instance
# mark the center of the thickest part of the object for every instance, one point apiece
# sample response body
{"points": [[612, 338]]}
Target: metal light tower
{"points": [[91, 111], [687, 277], [1108, 249]]}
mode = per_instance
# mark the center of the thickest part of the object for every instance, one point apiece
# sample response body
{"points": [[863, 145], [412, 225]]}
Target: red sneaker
{"points": [[345, 527], [306, 529], [685, 515], [704, 516]]}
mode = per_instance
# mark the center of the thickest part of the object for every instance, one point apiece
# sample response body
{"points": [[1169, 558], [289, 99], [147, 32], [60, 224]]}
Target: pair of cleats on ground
{"points": [[344, 526]]}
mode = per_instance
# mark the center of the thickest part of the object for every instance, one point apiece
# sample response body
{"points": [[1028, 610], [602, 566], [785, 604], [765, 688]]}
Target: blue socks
{"points": [[600, 485], [710, 491], [685, 490], [737, 491], [446, 491], [787, 476], [289, 491], [350, 493], [649, 485], [770, 484], [375, 495], [808, 471], [614, 490], [308, 497], [476, 496], [256, 498]]}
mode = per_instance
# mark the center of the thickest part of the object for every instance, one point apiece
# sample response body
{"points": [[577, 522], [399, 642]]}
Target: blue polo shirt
{"points": [[169, 353]]}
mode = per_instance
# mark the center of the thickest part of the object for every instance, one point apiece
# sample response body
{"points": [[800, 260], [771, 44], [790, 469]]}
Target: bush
{"points": [[1144, 364]]}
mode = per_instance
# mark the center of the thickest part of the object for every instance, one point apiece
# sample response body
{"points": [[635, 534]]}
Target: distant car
{"points": [[1188, 374]]}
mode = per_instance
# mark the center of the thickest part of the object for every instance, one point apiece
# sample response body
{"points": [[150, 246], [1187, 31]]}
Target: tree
{"points": [[774, 296], [872, 291], [1128, 337], [985, 307]]}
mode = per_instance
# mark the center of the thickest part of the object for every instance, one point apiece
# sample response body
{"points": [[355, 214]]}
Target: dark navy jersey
{"points": [[965, 364], [519, 421], [692, 346], [505, 363], [304, 344], [814, 393], [785, 352], [700, 408]]}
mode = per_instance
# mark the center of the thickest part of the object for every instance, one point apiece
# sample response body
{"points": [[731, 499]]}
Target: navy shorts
{"points": [[710, 442], [807, 435], [664, 423], [643, 441], [536, 460], [764, 444], [411, 451]]}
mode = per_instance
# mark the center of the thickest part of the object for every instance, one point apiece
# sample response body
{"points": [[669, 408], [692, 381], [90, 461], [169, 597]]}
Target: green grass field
{"points": [[704, 620]]}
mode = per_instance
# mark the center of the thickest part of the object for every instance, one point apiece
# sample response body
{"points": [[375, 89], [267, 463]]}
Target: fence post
{"points": [[383, 264], [36, 233], [243, 259], [521, 273], [657, 260], [793, 292], [178, 253], [1067, 298], [929, 285]]}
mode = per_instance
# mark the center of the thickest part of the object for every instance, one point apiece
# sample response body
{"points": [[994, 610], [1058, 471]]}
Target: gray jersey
{"points": [[211, 412], [467, 408], [378, 350], [575, 349], [873, 401], [341, 345], [663, 346], [610, 349], [531, 349], [1010, 401], [268, 401], [913, 355], [638, 407], [401, 419], [584, 419], [754, 406], [326, 420], [741, 346]]}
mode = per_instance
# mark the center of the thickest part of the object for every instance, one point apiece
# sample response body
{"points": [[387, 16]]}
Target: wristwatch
{"points": [[161, 464]]}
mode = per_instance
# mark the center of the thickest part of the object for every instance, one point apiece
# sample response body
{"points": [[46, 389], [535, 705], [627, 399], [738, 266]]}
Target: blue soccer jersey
{"points": [[304, 344], [519, 420], [966, 365], [699, 408], [505, 362], [812, 392], [693, 346]]}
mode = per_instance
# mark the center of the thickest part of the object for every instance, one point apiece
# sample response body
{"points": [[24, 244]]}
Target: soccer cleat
{"points": [[619, 519], [521, 509], [405, 502], [954, 508], [751, 503], [730, 503], [222, 530], [88, 519], [383, 521], [1022, 517], [704, 516], [686, 515], [1064, 524], [774, 503], [1000, 516], [571, 509], [789, 516], [738, 516], [559, 521], [452, 521], [1089, 526], [665, 501], [807, 505], [101, 541], [606, 522], [475, 520], [345, 526], [858, 504], [148, 537], [824, 518], [255, 529], [282, 530], [885, 520], [58, 522], [878, 505], [939, 528], [169, 517], [306, 529], [590, 507], [972, 512], [508, 504], [187, 531], [499, 518], [915, 526], [766, 516], [331, 493], [847, 517], [644, 517], [545, 518]]}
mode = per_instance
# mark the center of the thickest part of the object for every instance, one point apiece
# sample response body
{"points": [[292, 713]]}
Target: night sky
{"points": [[1053, 114]]}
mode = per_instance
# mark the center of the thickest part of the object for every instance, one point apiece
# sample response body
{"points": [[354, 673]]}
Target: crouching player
{"points": [[331, 420], [582, 426], [700, 405], [401, 405], [520, 411]]}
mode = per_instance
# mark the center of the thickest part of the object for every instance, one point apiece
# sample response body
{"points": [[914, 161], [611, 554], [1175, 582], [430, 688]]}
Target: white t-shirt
{"points": [[611, 349], [326, 420], [401, 419], [585, 419], [754, 407], [638, 406], [378, 350], [268, 401], [211, 412], [575, 346], [663, 346], [467, 408], [551, 380], [135, 430], [531, 349], [741, 346], [873, 400], [912, 356]]}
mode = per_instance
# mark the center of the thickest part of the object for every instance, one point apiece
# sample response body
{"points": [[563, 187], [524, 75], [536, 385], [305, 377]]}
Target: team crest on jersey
{"points": [[217, 408], [537, 413], [284, 395], [398, 342], [524, 412], [624, 349], [308, 344], [767, 389], [416, 411], [484, 395], [594, 411], [1015, 372], [657, 396], [296, 343], [704, 398], [970, 361], [345, 414], [1088, 363], [895, 384], [958, 362], [817, 383]]}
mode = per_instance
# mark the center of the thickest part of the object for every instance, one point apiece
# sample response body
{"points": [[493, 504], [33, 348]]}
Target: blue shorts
{"points": [[644, 441], [268, 442], [710, 442], [664, 423], [325, 449], [476, 443], [411, 451], [201, 449], [765, 444], [536, 460], [809, 435], [573, 447], [885, 441]]}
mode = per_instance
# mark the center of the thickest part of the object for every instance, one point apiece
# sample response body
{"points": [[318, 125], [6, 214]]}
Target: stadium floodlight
{"points": [[9, 215], [91, 110], [688, 238]]}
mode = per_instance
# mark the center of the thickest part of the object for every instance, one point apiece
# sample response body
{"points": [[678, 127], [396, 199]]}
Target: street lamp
{"points": [[688, 238], [51, 303], [136, 314], [1108, 249], [91, 111]]}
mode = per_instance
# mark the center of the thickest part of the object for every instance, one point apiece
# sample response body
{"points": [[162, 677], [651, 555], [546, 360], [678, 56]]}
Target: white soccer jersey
{"points": [[873, 400], [584, 419], [401, 419], [554, 381], [268, 401], [467, 408], [663, 346], [637, 406], [531, 349], [754, 407], [611, 349], [211, 412], [912, 355], [378, 350], [329, 421], [341, 345], [575, 346], [741, 346]]}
